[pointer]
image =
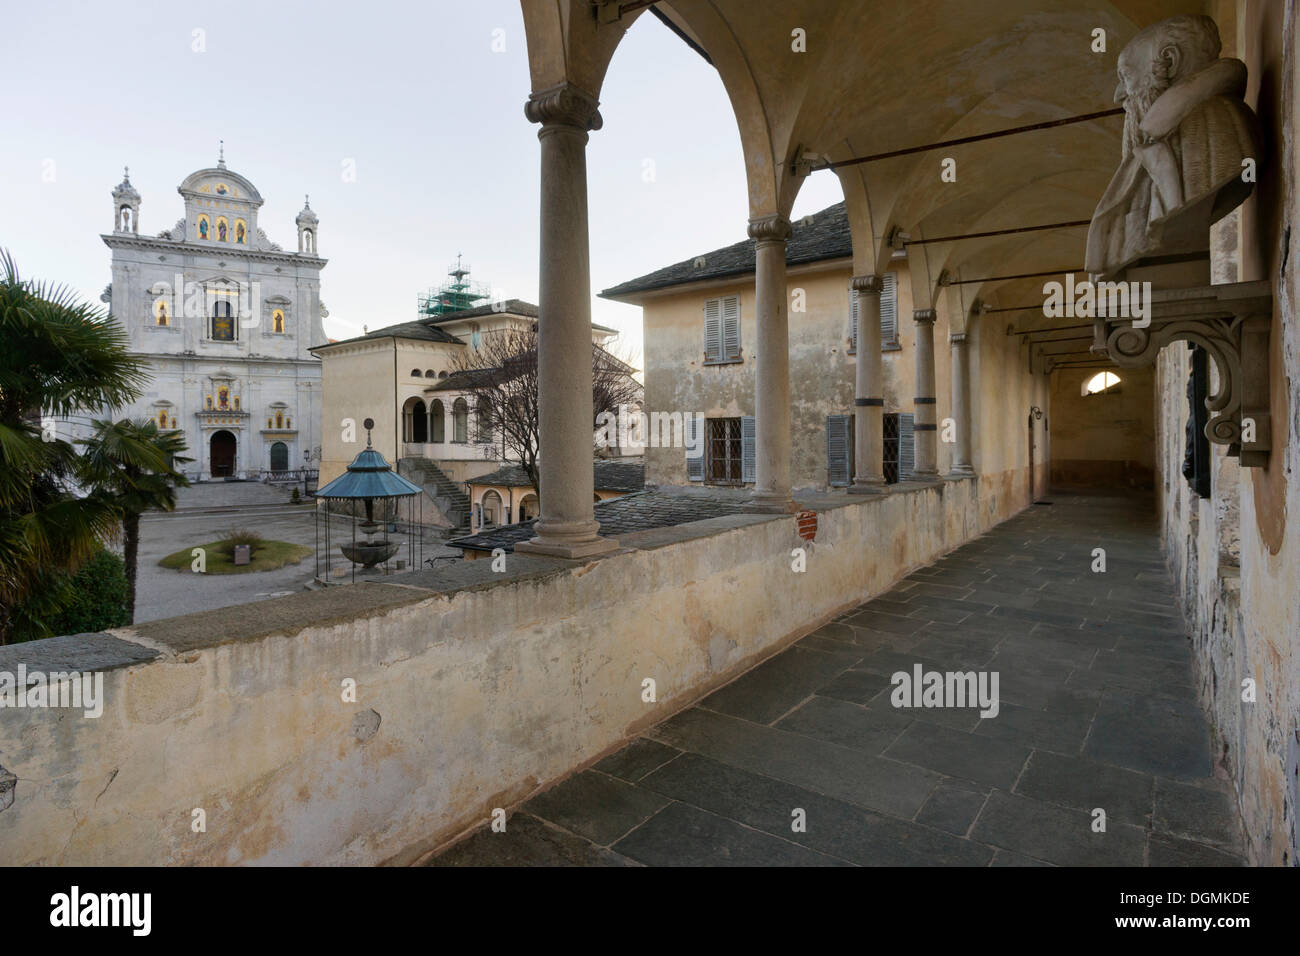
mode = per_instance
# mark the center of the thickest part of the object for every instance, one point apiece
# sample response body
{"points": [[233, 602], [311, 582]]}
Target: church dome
{"points": [[124, 190], [308, 216]]}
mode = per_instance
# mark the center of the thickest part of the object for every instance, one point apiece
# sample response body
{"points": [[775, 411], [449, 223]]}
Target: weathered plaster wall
{"points": [[465, 701], [822, 369], [1003, 391], [1105, 440], [368, 381], [1234, 555], [358, 384]]}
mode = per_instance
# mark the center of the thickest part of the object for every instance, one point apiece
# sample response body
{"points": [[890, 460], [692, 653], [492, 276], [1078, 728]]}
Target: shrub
{"points": [[96, 597], [240, 536], [295, 498]]}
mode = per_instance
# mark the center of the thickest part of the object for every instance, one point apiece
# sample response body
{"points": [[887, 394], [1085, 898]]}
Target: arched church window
{"points": [[460, 420], [223, 321], [438, 421], [1101, 382]]}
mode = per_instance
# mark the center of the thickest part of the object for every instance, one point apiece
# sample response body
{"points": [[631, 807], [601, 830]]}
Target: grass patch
{"points": [[267, 556]]}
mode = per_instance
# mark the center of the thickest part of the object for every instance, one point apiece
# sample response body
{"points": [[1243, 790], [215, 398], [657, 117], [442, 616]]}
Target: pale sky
{"points": [[411, 93]]}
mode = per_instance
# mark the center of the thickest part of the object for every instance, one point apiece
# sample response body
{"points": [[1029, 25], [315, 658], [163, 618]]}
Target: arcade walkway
{"points": [[1097, 711]]}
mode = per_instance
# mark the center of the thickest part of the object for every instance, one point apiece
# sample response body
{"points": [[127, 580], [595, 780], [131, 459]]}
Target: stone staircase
{"points": [[449, 497]]}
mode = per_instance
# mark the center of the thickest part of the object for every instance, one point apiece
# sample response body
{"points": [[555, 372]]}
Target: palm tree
{"points": [[132, 464], [58, 355]]}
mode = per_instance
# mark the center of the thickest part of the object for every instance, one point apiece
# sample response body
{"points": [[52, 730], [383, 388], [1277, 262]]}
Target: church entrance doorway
{"points": [[221, 454]]}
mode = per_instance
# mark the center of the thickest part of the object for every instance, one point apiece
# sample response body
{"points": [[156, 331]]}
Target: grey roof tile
{"points": [[825, 237]]}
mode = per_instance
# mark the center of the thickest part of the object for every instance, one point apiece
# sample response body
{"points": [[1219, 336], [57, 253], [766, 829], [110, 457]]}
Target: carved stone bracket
{"points": [[1231, 322]]}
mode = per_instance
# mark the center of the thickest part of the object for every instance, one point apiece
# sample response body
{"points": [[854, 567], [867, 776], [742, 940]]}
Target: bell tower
{"points": [[126, 206], [307, 223]]}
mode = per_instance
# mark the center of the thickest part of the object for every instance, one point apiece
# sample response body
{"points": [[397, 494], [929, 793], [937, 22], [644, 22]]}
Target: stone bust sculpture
{"points": [[1186, 134]]}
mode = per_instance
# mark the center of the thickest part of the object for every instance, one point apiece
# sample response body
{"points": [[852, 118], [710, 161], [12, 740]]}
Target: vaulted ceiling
{"points": [[881, 75]]}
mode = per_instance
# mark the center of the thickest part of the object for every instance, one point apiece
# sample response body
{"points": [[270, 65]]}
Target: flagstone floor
{"points": [[803, 760]]}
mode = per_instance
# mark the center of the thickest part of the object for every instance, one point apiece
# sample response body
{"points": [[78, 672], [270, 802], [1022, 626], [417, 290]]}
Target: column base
{"points": [[561, 548], [773, 504], [957, 474], [869, 488]]}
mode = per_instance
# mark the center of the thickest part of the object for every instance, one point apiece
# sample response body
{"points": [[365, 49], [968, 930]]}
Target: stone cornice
{"points": [[132, 241], [259, 359], [924, 315], [773, 228], [564, 105], [870, 284]]}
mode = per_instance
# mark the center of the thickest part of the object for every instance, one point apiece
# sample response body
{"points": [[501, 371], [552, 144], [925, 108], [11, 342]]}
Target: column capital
{"points": [[957, 338], [870, 284], [773, 228], [564, 105], [924, 316]]}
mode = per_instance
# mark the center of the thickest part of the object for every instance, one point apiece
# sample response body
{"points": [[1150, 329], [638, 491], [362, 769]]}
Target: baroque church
{"points": [[226, 319]]}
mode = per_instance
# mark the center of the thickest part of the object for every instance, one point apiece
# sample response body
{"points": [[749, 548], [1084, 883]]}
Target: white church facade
{"points": [[225, 319]]}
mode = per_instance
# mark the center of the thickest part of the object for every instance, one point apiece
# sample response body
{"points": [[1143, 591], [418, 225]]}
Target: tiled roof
{"points": [[630, 513], [419, 329], [825, 237], [611, 474], [427, 329], [465, 379]]}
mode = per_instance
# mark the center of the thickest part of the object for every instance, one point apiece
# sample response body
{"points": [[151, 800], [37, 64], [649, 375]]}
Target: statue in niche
{"points": [[221, 230], [1188, 135], [203, 227], [239, 232]]}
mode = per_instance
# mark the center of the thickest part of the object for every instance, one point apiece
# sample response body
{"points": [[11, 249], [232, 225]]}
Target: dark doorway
{"points": [[221, 454], [279, 456], [1031, 456]]}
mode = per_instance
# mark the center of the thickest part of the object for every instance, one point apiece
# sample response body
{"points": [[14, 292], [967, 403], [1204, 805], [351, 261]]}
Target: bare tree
{"points": [[500, 378]]}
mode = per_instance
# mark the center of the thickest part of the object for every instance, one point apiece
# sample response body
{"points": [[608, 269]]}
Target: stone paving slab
{"points": [[1097, 710]]}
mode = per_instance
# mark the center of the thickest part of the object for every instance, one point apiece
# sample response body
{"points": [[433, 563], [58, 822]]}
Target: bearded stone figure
{"points": [[1186, 135]]}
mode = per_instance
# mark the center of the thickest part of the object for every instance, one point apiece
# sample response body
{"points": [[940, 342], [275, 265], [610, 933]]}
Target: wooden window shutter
{"points": [[731, 327], [889, 310], [694, 440], [837, 451], [713, 330], [748, 452], [906, 446]]}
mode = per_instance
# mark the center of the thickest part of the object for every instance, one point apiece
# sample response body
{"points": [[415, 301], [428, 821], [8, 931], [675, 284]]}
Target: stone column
{"points": [[923, 422], [961, 410], [869, 403], [567, 527], [772, 368]]}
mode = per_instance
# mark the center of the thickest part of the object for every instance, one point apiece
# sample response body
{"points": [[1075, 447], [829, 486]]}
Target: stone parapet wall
{"points": [[472, 689]]}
